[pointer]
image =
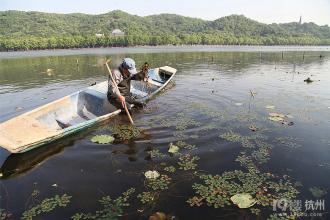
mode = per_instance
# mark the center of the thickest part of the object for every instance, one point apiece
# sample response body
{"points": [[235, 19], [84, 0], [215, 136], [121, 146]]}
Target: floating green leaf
{"points": [[102, 139], [173, 148], [243, 200]]}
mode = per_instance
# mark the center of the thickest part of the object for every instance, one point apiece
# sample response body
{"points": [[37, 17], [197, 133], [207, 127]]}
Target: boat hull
{"points": [[73, 113]]}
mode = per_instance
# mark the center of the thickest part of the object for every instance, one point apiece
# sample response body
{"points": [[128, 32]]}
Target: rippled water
{"points": [[210, 97]]}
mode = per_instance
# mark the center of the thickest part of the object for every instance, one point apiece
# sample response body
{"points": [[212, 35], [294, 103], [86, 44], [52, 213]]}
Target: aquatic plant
{"points": [[125, 132], [146, 197], [47, 205], [112, 208], [187, 162], [232, 137], [289, 142], [160, 183], [102, 139], [4, 214], [216, 190], [318, 192], [195, 201], [156, 154], [185, 145], [170, 169], [180, 122]]}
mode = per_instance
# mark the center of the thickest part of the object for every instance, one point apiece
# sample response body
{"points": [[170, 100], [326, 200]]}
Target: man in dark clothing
{"points": [[122, 76]]}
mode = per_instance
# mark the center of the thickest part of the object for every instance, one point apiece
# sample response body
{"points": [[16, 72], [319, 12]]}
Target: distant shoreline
{"points": [[160, 49]]}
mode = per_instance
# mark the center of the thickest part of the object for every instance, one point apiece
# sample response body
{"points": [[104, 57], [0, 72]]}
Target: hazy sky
{"points": [[266, 11]]}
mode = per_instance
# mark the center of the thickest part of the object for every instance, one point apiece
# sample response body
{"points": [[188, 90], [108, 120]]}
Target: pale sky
{"points": [[266, 11]]}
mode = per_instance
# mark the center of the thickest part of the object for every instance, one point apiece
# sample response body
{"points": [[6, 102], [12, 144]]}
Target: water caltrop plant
{"points": [[47, 205], [112, 208], [125, 132], [188, 162]]}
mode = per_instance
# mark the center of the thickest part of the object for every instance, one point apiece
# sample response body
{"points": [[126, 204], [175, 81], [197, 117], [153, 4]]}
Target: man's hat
{"points": [[129, 64]]}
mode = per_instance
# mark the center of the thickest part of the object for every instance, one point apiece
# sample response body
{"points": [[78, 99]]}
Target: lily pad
{"points": [[243, 200], [102, 139], [151, 174], [173, 148]]}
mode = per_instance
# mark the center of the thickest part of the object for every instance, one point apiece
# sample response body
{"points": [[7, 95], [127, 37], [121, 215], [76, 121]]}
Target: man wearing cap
{"points": [[123, 75]]}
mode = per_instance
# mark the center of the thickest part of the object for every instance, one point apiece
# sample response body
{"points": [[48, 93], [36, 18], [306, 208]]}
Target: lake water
{"points": [[216, 111]]}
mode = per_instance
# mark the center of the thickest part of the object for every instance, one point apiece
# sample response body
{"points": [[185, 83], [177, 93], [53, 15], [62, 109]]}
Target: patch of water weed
{"points": [[125, 132], [160, 183], [289, 142], [47, 205], [181, 122], [233, 137], [112, 208], [170, 169], [188, 162], [147, 197], [156, 153], [4, 214], [185, 145], [318, 192], [261, 154], [209, 127], [216, 190], [208, 111]]}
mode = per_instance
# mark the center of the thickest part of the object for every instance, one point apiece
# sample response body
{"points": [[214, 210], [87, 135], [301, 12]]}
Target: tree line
{"points": [[64, 42]]}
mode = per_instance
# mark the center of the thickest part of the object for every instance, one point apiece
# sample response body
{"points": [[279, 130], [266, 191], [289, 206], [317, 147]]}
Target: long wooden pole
{"points": [[114, 82]]}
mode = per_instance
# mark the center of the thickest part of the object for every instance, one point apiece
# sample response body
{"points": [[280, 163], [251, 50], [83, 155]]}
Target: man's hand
{"points": [[122, 100]]}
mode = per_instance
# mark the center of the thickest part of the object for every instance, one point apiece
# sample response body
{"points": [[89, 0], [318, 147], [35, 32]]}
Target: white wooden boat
{"points": [[73, 113]]}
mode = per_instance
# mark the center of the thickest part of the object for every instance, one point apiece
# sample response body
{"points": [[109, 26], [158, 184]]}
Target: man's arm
{"points": [[111, 86]]}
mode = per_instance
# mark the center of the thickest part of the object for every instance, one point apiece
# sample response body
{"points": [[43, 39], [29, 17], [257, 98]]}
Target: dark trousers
{"points": [[129, 100]]}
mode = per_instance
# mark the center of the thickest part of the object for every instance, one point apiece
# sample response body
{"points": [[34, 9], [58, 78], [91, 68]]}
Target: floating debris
{"points": [[151, 174], [238, 104], [54, 185], [173, 148], [243, 200], [278, 117], [253, 128], [102, 139], [269, 106], [308, 80], [253, 93], [274, 114], [19, 108]]}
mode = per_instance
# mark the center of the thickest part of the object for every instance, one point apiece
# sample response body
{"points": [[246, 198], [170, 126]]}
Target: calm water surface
{"points": [[209, 98]]}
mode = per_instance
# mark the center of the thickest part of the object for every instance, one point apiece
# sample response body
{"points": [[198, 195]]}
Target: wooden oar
{"points": [[114, 82]]}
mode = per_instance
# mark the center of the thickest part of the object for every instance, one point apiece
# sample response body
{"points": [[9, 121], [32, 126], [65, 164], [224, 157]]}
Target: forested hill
{"points": [[36, 30]]}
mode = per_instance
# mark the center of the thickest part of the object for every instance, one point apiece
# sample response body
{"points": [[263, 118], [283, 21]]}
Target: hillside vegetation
{"points": [[36, 30]]}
